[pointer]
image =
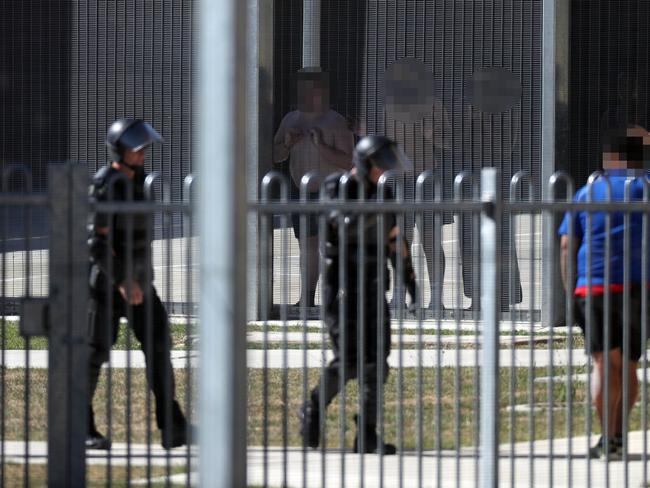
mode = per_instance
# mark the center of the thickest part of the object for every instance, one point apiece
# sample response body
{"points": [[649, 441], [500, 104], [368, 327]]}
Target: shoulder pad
{"points": [[331, 184], [101, 181], [102, 174]]}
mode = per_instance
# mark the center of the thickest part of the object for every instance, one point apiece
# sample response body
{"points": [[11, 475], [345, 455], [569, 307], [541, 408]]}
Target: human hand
{"points": [[292, 137], [316, 136], [137, 296]]}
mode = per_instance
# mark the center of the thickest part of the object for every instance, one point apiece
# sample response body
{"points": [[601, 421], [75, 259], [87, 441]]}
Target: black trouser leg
{"points": [[103, 323], [371, 374], [330, 380], [151, 328]]}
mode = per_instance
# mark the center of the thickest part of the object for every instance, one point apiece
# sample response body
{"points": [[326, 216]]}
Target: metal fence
{"points": [[489, 396], [45, 355], [482, 397]]}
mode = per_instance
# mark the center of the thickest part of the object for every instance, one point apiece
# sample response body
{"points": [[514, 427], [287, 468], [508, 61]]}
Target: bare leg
{"points": [[633, 393], [309, 252], [614, 389]]}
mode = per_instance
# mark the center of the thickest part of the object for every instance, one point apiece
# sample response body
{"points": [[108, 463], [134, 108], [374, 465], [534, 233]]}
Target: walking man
{"points": [[121, 280], [343, 298], [622, 157]]}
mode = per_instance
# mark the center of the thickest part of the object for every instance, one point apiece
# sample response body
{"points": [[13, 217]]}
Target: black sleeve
{"points": [[100, 249], [408, 273]]}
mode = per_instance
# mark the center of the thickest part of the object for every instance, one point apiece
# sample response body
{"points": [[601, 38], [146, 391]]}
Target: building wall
{"points": [[609, 78]]}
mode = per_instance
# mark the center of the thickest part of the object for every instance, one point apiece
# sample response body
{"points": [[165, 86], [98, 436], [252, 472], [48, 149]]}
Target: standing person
{"points": [[373, 156], [314, 138], [115, 294], [622, 158]]}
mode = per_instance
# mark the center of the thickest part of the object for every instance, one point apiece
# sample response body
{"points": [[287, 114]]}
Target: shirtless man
{"points": [[313, 138]]}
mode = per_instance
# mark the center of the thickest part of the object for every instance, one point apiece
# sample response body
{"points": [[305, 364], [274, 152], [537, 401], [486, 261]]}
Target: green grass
{"points": [[13, 339], [459, 422], [95, 475], [449, 414], [14, 403]]}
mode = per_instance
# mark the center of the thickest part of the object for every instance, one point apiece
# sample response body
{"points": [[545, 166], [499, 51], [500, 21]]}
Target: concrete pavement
{"points": [[295, 358]]}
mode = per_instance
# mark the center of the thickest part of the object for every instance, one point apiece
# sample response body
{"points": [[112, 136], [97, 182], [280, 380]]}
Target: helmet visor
{"points": [[139, 136], [392, 157]]}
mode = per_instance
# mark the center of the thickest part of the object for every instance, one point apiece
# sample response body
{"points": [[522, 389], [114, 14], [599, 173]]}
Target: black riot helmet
{"points": [[382, 152], [132, 134]]}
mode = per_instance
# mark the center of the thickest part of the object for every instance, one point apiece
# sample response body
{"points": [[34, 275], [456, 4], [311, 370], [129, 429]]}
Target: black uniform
{"points": [[112, 238], [337, 294]]}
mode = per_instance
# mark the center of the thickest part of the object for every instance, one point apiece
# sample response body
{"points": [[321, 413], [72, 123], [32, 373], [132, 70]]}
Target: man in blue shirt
{"points": [[600, 280]]}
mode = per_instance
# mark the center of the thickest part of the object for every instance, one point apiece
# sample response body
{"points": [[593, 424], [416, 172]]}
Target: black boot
{"points": [[371, 443], [95, 440], [176, 431], [178, 435], [309, 424]]}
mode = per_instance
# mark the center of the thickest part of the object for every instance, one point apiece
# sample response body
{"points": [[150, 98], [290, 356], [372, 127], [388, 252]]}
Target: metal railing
{"points": [[482, 397], [48, 350], [492, 396]]}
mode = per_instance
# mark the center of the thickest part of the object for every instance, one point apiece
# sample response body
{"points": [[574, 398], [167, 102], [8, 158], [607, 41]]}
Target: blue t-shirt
{"points": [[598, 220]]}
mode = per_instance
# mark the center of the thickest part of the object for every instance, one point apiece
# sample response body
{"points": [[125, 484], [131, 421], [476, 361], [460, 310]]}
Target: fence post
{"points": [[68, 353], [221, 149], [490, 300]]}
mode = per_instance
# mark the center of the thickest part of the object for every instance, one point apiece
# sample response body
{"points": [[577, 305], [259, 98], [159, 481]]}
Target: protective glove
{"points": [[412, 290]]}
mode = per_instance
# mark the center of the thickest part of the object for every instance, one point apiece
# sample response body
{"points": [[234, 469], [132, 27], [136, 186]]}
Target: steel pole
{"points": [[221, 123], [311, 34], [490, 301], [555, 142]]}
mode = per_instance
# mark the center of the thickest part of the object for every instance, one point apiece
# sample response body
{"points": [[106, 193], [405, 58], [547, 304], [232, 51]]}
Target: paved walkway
{"points": [[427, 339], [119, 359], [543, 470], [519, 464], [432, 325], [14, 452], [294, 358]]}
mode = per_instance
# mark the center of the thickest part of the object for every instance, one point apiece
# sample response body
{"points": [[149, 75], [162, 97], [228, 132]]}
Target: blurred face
{"points": [[374, 174], [614, 160], [313, 96], [134, 158]]}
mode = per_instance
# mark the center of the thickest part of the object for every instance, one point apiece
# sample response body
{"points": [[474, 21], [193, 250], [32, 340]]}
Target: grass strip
{"points": [[95, 475], [457, 402], [15, 341]]}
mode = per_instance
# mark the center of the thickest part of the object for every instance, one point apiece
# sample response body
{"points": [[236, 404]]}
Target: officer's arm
{"points": [[408, 273], [102, 253]]}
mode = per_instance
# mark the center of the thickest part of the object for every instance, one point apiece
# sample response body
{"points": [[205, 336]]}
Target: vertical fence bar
{"points": [[148, 314], [221, 120], [304, 262], [490, 298], [3, 340], [188, 231], [627, 291], [550, 245], [644, 334], [361, 336], [343, 329], [67, 377], [381, 296]]}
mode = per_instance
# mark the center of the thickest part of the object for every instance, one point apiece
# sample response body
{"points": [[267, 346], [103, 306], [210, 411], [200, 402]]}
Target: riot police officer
{"points": [[121, 280], [342, 299]]}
